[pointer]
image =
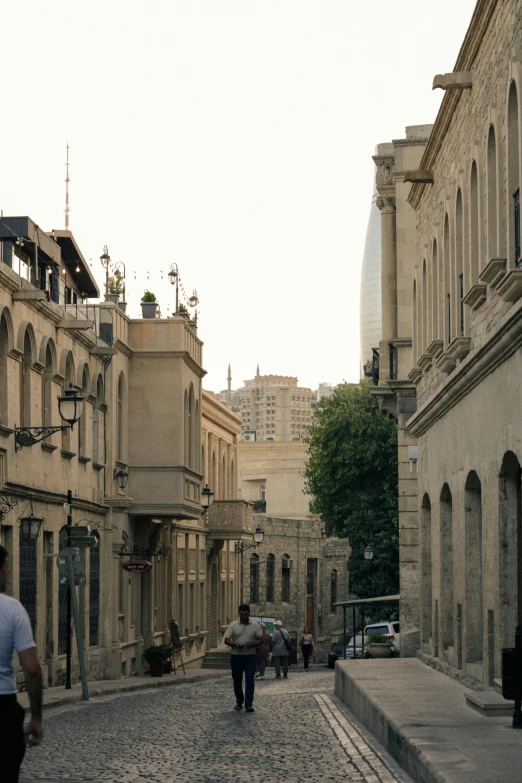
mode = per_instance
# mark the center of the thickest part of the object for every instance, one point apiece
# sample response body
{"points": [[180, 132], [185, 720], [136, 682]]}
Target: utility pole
{"points": [[71, 587]]}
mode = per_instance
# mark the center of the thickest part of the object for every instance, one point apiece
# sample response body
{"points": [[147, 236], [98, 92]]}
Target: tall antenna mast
{"points": [[67, 180]]}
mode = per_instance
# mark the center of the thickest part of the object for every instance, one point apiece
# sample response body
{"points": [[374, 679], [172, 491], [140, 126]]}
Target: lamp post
{"points": [[368, 552], [30, 526], [121, 476], [173, 276], [208, 497], [105, 261]]}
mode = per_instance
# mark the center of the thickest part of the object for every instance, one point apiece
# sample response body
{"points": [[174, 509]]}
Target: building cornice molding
{"points": [[500, 346], [468, 52], [185, 355], [47, 496]]}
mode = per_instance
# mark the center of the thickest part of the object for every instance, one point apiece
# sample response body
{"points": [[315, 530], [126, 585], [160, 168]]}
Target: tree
{"points": [[352, 474]]}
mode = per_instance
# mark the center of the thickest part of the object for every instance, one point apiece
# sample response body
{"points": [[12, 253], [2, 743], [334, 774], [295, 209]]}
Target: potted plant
{"points": [[168, 651], [116, 287], [193, 323], [149, 306], [182, 310], [155, 657], [379, 646]]}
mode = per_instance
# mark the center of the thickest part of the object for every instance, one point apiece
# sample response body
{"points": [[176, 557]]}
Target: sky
{"points": [[232, 137]]}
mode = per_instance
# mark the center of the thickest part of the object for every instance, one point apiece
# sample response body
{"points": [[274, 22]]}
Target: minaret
{"points": [[257, 372], [67, 180], [229, 384]]}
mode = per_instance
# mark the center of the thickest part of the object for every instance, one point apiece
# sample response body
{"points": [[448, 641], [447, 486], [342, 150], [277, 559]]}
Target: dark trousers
{"points": [[246, 664], [281, 661], [307, 651], [12, 743]]}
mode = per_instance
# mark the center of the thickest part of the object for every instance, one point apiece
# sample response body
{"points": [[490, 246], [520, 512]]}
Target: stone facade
{"points": [[144, 411], [467, 355], [296, 575], [271, 477]]}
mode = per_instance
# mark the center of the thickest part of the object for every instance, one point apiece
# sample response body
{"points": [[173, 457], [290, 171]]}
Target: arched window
{"points": [[94, 592], [62, 600], [191, 429], [97, 436], [223, 479], [492, 170], [120, 420], [426, 570], [333, 590], [459, 263], [4, 351], [25, 381], [510, 532], [232, 480], [446, 575], [68, 379], [414, 323], [474, 226], [82, 424], [254, 579], [447, 284], [203, 465], [424, 345], [513, 175], [186, 430], [435, 292], [47, 385], [214, 477], [285, 579], [270, 578]]}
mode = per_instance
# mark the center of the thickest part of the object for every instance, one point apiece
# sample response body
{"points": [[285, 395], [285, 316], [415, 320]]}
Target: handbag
{"points": [[286, 641]]}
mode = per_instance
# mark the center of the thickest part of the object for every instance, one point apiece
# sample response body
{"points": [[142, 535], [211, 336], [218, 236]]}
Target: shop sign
{"points": [[137, 566]]}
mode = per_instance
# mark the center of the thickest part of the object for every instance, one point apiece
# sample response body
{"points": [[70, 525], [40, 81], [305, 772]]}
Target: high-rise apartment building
{"points": [[272, 407]]}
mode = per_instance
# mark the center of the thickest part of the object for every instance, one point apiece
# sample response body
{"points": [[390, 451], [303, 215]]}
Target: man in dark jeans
{"points": [[16, 634], [243, 636]]}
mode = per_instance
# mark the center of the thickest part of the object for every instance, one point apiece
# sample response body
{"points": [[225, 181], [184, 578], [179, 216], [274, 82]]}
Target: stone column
{"points": [[388, 283]]}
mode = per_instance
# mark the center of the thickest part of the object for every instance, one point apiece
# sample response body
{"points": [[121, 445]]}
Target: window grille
{"points": [[270, 573], [254, 579], [285, 581], [28, 579]]}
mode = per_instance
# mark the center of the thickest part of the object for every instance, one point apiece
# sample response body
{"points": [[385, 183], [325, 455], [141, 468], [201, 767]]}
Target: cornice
{"points": [[500, 346], [123, 348], [185, 355], [47, 496], [416, 141], [468, 52]]}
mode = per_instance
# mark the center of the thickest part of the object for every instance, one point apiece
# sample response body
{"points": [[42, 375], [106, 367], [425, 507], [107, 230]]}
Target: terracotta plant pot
{"points": [[156, 669], [379, 650], [167, 669]]}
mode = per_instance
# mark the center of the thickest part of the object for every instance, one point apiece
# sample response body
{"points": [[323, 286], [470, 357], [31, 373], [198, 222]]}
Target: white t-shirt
{"points": [[15, 634]]}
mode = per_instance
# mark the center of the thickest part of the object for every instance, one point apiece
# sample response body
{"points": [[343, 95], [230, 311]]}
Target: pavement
{"points": [[422, 718], [299, 733]]}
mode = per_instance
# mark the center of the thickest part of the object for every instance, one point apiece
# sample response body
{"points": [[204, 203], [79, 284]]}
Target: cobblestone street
{"points": [[298, 733]]}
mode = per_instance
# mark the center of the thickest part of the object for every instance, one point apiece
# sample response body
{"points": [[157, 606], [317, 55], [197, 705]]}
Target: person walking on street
{"points": [[16, 634], [281, 649], [307, 646], [262, 653], [243, 636]]}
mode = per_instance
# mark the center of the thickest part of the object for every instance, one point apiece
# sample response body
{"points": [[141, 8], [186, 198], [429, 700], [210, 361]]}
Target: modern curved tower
{"points": [[370, 328]]}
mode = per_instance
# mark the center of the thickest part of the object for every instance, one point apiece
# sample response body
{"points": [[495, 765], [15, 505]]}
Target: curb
{"points": [[74, 696]]}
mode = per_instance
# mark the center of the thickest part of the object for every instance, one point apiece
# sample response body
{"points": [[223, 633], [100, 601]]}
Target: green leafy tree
{"points": [[352, 474]]}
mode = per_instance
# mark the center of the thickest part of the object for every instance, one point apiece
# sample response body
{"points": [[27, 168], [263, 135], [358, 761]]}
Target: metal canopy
{"points": [[363, 603]]}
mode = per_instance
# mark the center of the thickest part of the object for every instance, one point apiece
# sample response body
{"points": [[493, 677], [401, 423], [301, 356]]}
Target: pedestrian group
{"points": [[251, 646]]}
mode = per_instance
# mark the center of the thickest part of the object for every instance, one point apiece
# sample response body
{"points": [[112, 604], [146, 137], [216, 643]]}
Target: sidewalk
{"points": [[57, 697], [422, 718]]}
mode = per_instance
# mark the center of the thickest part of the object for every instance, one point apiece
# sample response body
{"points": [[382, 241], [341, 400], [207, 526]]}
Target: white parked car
{"points": [[389, 629]]}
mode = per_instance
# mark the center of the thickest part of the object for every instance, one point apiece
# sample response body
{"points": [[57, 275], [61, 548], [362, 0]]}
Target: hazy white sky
{"points": [[233, 137]]}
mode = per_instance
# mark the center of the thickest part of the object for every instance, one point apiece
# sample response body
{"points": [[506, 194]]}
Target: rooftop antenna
{"points": [[67, 180]]}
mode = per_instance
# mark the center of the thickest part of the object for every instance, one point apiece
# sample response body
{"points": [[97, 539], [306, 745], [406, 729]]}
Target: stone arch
{"points": [[121, 419], [414, 323], [424, 309], [48, 344], [426, 592], [6, 343], [492, 195], [85, 386], [186, 429], [435, 291], [5, 315], [97, 444], [446, 300], [254, 578], [270, 578], [48, 361], [215, 476], [84, 378], [459, 265], [473, 566], [26, 330], [191, 428], [513, 175], [446, 566], [474, 225], [510, 545]]}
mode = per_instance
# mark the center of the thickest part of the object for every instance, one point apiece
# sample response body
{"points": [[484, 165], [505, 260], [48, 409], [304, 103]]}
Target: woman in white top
{"points": [[307, 646]]}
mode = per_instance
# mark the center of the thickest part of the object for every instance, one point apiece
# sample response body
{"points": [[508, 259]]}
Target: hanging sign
{"points": [[137, 566]]}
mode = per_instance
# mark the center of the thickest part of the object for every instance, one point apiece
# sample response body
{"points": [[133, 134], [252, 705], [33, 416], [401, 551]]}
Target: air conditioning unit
{"points": [[249, 436]]}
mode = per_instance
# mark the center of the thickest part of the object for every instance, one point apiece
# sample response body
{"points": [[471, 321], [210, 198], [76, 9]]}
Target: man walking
{"points": [[280, 649], [243, 636], [16, 634]]}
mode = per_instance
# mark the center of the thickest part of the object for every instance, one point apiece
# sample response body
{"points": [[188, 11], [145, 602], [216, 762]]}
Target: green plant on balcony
{"points": [[182, 308], [116, 283], [148, 296]]}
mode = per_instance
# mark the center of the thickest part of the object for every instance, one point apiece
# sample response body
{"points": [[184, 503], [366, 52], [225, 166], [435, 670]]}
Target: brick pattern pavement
{"points": [[298, 734]]}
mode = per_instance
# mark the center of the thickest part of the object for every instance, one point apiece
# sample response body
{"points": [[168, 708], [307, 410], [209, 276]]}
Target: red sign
{"points": [[137, 566]]}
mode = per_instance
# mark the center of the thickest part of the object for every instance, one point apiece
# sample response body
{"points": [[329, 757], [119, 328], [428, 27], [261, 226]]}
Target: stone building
{"points": [[467, 310], [392, 362], [141, 380], [296, 575], [271, 476]]}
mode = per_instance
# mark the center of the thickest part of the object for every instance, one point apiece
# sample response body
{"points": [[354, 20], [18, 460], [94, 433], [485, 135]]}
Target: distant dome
{"points": [[370, 311]]}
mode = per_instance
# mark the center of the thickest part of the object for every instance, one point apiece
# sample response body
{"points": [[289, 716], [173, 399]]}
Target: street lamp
{"points": [[70, 407], [105, 261], [258, 536], [173, 276], [208, 497], [368, 552], [121, 476], [30, 526]]}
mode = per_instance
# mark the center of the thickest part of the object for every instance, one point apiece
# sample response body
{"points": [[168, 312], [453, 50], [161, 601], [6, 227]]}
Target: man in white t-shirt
{"points": [[16, 634]]}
